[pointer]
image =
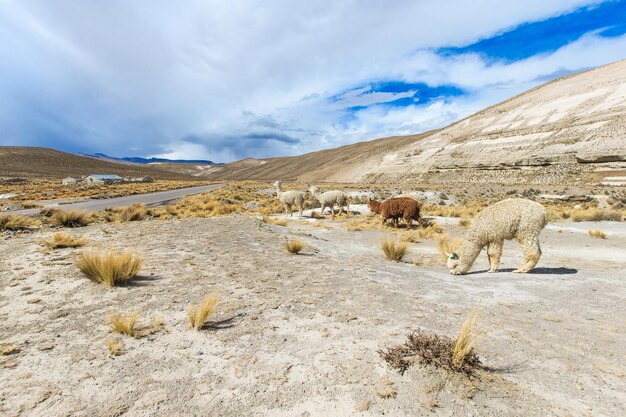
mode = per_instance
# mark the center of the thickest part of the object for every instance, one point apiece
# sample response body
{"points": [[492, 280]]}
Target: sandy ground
{"points": [[308, 326]]}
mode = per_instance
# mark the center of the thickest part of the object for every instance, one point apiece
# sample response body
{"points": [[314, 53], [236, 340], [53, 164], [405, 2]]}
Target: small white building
{"points": [[102, 179], [69, 181]]}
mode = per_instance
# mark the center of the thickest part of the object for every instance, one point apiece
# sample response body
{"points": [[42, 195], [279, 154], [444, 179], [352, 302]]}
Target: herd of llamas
{"points": [[515, 218]]}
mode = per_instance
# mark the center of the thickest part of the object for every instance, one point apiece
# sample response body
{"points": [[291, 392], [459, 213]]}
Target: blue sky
{"points": [[228, 80]]}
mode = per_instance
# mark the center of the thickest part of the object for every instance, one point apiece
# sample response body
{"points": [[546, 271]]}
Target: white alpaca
{"points": [[290, 198], [330, 198], [515, 218]]}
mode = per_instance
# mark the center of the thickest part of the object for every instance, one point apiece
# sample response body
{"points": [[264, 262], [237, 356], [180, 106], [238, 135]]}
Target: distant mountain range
{"points": [[138, 160]]}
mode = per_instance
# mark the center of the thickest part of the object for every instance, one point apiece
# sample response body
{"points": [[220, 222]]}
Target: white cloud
{"points": [[246, 78]]}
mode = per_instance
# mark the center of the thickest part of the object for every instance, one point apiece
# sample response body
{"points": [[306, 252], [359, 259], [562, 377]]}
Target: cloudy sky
{"points": [[225, 80]]}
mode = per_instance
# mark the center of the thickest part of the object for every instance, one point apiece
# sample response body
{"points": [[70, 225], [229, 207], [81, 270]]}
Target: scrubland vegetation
{"points": [[393, 249], [198, 315], [49, 189]]}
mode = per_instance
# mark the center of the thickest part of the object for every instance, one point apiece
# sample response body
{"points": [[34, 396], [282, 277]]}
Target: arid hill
{"points": [[569, 130], [31, 162]]}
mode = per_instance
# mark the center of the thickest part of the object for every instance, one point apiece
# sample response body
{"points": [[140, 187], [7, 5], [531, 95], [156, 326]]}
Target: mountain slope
{"points": [[570, 129], [18, 161]]}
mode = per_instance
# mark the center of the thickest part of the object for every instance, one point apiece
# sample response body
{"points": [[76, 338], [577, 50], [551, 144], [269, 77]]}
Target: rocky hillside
{"points": [[570, 130]]}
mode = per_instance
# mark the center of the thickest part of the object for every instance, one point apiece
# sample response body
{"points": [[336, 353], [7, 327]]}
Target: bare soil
{"points": [[307, 327]]}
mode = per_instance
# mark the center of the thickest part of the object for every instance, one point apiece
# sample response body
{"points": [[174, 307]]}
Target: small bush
{"points": [[294, 246], [411, 237], [133, 213], [393, 249], [441, 351], [595, 214], [465, 222], [110, 268], [198, 315], [63, 240], [598, 234], [72, 218], [17, 222], [124, 324]]}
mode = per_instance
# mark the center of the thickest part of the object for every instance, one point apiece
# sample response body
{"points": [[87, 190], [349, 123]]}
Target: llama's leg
{"points": [[409, 223], [494, 252], [287, 208], [532, 253]]}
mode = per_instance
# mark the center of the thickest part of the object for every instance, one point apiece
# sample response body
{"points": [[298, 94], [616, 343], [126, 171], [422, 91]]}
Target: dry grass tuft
{"points": [[465, 222], [393, 249], [463, 352], [594, 214], [133, 213], [198, 315], [429, 231], [316, 215], [275, 221], [445, 246], [124, 324], [110, 268], [17, 222], [115, 346], [294, 246], [367, 222], [63, 240], [410, 236], [7, 348], [72, 218], [598, 234]]}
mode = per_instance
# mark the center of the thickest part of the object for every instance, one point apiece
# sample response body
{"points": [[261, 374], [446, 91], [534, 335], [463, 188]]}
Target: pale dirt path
{"points": [[306, 344]]}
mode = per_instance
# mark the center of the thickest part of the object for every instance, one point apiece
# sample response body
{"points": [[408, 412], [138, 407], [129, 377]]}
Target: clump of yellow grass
{"points": [[17, 222], [71, 218], [61, 240], [465, 342], [598, 234], [294, 246], [445, 246], [110, 268], [198, 315], [393, 249]]}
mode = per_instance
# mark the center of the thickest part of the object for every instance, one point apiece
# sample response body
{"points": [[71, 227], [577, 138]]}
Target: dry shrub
{"points": [[316, 215], [275, 221], [115, 346], [135, 212], [124, 324], [198, 315], [445, 246], [595, 214], [63, 240], [17, 222], [71, 218], [598, 234], [294, 246], [556, 213], [470, 209], [464, 352], [110, 268], [441, 351], [393, 249]]}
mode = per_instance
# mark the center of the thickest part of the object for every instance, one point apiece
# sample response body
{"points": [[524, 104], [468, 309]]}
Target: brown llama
{"points": [[396, 208]]}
